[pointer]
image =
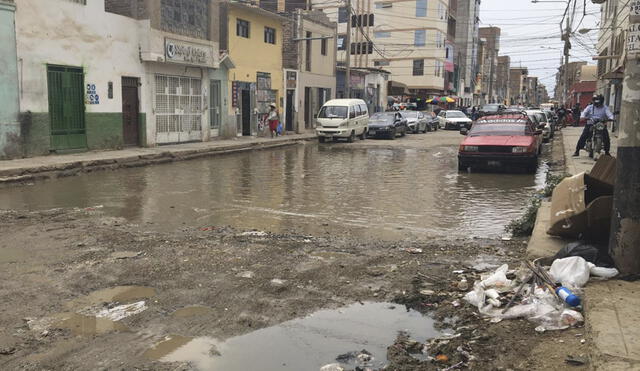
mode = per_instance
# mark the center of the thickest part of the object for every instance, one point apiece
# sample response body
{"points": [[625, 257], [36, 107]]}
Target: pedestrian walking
{"points": [[576, 114], [273, 119]]}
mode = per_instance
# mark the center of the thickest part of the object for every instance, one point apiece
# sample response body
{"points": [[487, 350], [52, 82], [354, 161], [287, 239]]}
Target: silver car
{"points": [[416, 121]]}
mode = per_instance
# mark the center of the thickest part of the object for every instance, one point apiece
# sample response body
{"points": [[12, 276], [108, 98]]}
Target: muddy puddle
{"points": [[326, 336], [376, 192]]}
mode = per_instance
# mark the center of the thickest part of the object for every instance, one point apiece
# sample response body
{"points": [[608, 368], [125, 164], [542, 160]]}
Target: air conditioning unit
{"points": [[598, 1]]}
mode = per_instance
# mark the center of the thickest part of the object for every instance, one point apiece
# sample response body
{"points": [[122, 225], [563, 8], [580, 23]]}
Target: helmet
{"points": [[598, 100]]}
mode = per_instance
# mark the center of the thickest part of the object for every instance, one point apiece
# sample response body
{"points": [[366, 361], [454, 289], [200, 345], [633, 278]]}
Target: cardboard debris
{"points": [[581, 205]]}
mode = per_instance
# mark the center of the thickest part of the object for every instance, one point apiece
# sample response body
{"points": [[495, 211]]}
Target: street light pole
{"points": [[565, 68], [347, 79], [624, 242]]}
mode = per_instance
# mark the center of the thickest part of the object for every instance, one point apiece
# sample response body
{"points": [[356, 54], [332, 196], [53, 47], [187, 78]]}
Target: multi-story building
{"points": [[614, 21], [309, 60], [542, 95], [490, 49], [517, 85], [10, 133], [572, 70], [113, 73], [502, 79], [450, 62], [406, 38], [582, 91], [467, 29], [253, 38], [531, 94]]}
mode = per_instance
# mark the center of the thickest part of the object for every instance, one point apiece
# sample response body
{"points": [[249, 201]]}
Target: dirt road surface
{"points": [[83, 289]]}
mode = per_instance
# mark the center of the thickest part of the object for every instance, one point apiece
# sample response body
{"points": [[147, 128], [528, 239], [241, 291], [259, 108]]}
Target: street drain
{"points": [[303, 344]]}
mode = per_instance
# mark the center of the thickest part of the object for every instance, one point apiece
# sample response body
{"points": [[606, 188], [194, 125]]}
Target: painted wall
{"points": [[252, 55], [104, 45], [10, 141]]}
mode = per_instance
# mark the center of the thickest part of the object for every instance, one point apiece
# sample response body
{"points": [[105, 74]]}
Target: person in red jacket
{"points": [[273, 119]]}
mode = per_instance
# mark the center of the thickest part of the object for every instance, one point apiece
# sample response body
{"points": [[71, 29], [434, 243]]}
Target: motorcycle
{"points": [[595, 141]]}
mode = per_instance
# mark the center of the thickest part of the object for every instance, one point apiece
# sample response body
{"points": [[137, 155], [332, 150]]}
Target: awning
{"points": [[617, 74]]}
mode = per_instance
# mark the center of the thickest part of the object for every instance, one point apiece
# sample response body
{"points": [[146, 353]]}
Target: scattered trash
{"points": [[442, 358], [427, 292], [583, 341], [277, 282], [578, 248], [604, 272], [254, 234], [332, 367], [463, 285], [116, 313], [572, 272], [246, 274], [413, 250], [7, 350], [506, 238], [205, 229], [575, 361], [125, 254]]}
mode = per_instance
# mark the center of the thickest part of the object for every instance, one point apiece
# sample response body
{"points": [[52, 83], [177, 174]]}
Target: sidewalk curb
{"points": [[74, 167]]}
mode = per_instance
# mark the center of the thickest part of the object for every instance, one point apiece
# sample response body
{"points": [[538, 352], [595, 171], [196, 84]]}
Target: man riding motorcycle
{"points": [[595, 111]]}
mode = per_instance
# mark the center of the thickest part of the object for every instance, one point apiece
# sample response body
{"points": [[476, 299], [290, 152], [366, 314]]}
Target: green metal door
{"points": [[66, 107]]}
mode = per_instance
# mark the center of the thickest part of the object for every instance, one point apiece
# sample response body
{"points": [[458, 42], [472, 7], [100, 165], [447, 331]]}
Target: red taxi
{"points": [[501, 142]]}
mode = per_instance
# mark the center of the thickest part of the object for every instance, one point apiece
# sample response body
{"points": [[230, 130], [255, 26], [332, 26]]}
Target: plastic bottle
{"points": [[566, 295]]}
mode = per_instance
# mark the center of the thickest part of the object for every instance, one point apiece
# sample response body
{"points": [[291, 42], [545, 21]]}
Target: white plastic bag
{"points": [[572, 272], [497, 279], [604, 272], [476, 297]]}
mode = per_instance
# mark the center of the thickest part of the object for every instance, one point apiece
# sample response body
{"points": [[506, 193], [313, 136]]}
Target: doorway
{"points": [[130, 111], [66, 107], [246, 112], [214, 108], [307, 108], [289, 113]]}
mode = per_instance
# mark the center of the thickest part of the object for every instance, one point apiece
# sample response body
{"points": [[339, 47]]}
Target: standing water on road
{"points": [[375, 192]]}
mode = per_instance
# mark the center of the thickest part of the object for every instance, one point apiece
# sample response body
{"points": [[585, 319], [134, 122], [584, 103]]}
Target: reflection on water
{"points": [[302, 344], [386, 193]]}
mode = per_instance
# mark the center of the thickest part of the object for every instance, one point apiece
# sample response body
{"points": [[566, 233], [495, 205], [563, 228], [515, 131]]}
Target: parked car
{"points": [[453, 120], [432, 121], [416, 121], [491, 109], [342, 118], [542, 122], [387, 124], [500, 142]]}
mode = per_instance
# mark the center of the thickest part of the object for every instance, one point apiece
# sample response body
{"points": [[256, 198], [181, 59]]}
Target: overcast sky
{"points": [[531, 34]]}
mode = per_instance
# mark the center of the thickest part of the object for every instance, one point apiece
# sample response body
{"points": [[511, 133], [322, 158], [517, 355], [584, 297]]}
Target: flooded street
{"points": [[371, 189], [279, 259]]}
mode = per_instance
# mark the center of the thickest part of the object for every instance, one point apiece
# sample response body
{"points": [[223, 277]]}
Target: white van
{"points": [[342, 118]]}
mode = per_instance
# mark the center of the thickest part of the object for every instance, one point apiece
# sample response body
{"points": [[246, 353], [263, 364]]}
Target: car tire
{"points": [[321, 139], [352, 137], [462, 167], [392, 134], [363, 136], [416, 130], [404, 132]]}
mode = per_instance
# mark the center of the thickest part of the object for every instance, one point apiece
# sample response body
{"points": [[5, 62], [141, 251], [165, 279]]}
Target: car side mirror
{"points": [[464, 131], [538, 132]]}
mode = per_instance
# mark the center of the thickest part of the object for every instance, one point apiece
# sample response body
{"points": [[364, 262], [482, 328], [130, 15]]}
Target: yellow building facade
{"points": [[253, 38]]}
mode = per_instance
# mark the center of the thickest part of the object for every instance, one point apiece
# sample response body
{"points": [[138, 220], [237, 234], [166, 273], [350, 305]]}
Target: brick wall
{"points": [[129, 8], [290, 47], [186, 17]]}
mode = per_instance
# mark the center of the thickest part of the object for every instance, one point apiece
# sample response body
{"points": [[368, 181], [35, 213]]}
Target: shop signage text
{"points": [[185, 52]]}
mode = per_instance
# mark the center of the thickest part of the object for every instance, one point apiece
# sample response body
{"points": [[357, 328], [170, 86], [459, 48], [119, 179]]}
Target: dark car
{"points": [[500, 142], [491, 109], [432, 121], [387, 124], [416, 121]]}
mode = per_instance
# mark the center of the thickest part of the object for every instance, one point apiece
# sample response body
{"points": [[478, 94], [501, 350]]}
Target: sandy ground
{"points": [[58, 263]]}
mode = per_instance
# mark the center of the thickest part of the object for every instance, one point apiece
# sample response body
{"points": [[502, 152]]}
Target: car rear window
{"points": [[502, 129], [456, 115]]}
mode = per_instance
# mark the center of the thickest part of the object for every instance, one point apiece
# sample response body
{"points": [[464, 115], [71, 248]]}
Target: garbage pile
{"points": [[548, 298]]}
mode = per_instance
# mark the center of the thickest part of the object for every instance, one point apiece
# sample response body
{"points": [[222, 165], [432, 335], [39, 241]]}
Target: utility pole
{"points": [[624, 242], [491, 72], [565, 69], [347, 79]]}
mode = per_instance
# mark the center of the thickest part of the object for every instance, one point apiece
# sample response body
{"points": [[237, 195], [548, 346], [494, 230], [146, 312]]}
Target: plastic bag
{"points": [[604, 272], [279, 128], [476, 297], [572, 272], [497, 279], [584, 250]]}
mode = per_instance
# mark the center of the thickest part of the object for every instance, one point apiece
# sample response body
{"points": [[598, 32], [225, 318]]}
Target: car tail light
{"points": [[519, 149], [470, 148]]}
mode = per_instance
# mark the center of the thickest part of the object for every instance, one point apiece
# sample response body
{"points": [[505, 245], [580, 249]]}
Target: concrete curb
{"points": [[74, 167]]}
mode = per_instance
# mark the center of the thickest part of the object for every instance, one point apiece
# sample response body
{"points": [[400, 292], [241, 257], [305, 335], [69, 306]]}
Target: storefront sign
{"points": [[292, 78], [633, 40], [184, 52]]}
